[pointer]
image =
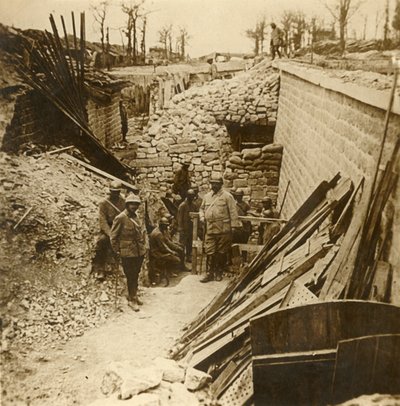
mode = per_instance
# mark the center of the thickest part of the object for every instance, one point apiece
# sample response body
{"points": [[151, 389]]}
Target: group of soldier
{"points": [[125, 234]]}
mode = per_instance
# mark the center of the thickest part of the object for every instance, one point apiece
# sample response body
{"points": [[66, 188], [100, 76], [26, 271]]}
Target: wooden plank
{"points": [[302, 380], [380, 289], [150, 162], [298, 294], [321, 325], [395, 287], [101, 173], [366, 365]]}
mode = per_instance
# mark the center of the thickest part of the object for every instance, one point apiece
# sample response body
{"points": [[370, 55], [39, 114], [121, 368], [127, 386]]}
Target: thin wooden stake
{"points": [[22, 218]]}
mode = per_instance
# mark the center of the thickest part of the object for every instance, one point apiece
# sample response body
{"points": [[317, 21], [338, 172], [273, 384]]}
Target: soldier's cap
{"points": [[238, 192], [190, 192], [266, 199], [186, 162], [115, 186], [163, 221], [133, 199], [217, 179]]}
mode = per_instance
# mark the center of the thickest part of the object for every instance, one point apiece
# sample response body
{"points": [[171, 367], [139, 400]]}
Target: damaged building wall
{"points": [[327, 127], [35, 120]]}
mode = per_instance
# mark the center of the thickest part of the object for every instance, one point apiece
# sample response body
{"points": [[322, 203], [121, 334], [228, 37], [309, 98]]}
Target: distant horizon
{"points": [[213, 25]]}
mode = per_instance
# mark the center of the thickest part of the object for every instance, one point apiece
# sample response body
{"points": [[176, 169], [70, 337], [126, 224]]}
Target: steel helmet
{"points": [[115, 186], [163, 221], [133, 199], [190, 192]]}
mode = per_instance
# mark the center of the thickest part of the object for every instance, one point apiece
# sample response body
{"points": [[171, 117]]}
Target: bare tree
{"points": [[342, 11], [143, 40], [386, 27], [261, 26], [299, 28], [134, 11], [396, 19], [163, 37], [378, 20], [182, 41], [99, 14], [258, 35], [254, 35], [287, 21]]}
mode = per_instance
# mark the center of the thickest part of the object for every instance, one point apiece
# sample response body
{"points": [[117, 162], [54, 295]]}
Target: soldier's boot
{"points": [[133, 305], [219, 266], [210, 272]]}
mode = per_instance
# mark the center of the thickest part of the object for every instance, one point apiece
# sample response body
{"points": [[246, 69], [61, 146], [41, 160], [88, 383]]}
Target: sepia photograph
{"points": [[200, 202]]}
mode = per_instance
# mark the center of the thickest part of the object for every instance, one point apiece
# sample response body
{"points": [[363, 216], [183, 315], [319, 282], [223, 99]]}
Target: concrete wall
{"points": [[325, 127]]}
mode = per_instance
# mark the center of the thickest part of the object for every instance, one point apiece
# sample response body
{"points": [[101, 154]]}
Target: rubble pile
{"points": [[192, 125], [253, 169], [163, 382], [48, 226]]}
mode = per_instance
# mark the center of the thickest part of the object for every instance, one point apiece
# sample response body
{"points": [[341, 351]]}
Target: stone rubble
{"points": [[160, 382]]}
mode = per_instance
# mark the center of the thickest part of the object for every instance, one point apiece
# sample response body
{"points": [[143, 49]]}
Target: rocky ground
{"points": [[61, 327]]}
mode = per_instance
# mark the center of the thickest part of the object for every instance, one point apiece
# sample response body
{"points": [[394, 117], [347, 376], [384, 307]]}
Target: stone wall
{"points": [[192, 125], [105, 120], [326, 127]]}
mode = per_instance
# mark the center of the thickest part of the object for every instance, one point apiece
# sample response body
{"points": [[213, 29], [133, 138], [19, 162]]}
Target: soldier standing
{"points": [[182, 180], [109, 208], [185, 225], [128, 240], [242, 234], [267, 230], [218, 212]]}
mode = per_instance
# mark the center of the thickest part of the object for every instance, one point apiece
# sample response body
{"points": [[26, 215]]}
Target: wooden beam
{"points": [[101, 173]]}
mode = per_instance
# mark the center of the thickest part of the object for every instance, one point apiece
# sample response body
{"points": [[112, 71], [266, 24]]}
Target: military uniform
{"points": [[242, 234], [107, 212], [219, 212], [185, 226], [181, 182], [128, 239], [162, 255]]}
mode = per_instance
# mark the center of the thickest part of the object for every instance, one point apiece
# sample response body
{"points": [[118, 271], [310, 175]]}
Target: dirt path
{"points": [[72, 374]]}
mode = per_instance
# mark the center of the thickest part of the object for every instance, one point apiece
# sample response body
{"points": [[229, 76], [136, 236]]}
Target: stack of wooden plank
{"points": [[330, 249], [218, 341]]}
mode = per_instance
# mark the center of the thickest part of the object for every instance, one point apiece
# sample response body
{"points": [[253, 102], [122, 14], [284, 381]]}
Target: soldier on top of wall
{"points": [[182, 180], [219, 214], [109, 208]]}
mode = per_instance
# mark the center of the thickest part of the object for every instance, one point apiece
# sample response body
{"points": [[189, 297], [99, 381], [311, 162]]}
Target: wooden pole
{"points": [[22, 218]]}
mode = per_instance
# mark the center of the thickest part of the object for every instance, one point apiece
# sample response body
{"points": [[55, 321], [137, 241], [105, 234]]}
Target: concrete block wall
{"points": [[324, 130], [105, 120]]}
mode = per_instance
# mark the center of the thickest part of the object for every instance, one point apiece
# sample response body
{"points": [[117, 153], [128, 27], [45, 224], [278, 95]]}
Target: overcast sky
{"points": [[214, 25]]}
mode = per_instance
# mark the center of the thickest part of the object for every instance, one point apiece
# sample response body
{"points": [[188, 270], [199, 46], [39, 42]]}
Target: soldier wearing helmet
{"points": [[185, 225], [182, 179], [162, 255], [109, 208], [218, 212], [128, 240]]}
